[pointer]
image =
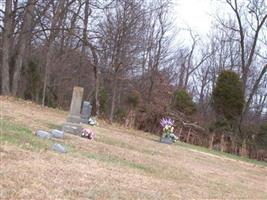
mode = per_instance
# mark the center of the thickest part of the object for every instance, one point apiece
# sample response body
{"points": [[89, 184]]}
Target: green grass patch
{"points": [[219, 153], [22, 136], [112, 159]]}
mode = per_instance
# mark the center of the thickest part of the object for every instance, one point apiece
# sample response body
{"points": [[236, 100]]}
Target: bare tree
{"points": [[257, 10], [24, 38], [7, 36], [156, 44], [119, 37], [54, 30]]}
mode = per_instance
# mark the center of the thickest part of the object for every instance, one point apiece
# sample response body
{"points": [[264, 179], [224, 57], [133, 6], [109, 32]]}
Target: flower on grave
{"points": [[168, 129], [166, 122], [88, 133], [92, 121]]}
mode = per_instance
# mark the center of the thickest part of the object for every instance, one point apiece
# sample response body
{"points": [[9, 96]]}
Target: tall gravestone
{"points": [[72, 124], [86, 112]]}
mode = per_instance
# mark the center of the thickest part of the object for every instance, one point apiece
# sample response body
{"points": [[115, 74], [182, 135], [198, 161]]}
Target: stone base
{"points": [[72, 128], [73, 119], [166, 140], [85, 120]]}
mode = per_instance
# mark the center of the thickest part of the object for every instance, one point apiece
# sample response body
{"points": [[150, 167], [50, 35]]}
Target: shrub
{"points": [[183, 102], [133, 99], [103, 100], [120, 114], [228, 96], [261, 137]]}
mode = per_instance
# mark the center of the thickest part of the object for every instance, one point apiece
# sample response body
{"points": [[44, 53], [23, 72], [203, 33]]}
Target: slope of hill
{"points": [[118, 164]]}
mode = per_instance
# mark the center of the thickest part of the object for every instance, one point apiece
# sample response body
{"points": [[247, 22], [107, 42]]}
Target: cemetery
{"points": [[80, 113], [75, 166], [133, 99]]}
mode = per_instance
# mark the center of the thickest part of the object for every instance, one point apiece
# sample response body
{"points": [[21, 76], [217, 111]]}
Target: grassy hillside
{"points": [[119, 164]]}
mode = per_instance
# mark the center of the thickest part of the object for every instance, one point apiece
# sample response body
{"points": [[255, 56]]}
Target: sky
{"points": [[192, 13], [195, 14]]}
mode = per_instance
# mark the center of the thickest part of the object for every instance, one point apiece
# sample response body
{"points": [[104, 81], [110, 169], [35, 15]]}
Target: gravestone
{"points": [[57, 133], [43, 134], [75, 107], [59, 148], [86, 112], [72, 124]]}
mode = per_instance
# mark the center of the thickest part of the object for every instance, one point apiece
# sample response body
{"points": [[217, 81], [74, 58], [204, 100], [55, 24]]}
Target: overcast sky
{"points": [[194, 13]]}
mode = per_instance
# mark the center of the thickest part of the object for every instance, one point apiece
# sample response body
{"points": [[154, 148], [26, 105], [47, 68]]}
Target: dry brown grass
{"points": [[119, 164]]}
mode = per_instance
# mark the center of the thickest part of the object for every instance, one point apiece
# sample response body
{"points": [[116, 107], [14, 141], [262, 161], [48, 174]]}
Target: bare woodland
{"points": [[125, 54]]}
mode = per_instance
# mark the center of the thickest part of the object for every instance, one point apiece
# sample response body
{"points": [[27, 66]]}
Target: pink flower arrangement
{"points": [[88, 133]]}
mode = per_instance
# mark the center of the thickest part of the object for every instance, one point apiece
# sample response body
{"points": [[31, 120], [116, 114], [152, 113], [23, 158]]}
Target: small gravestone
{"points": [[59, 148], [43, 134], [57, 133], [86, 112], [72, 124], [166, 140]]}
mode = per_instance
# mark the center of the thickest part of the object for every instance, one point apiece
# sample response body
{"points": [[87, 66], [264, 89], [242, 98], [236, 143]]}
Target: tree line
{"points": [[126, 55]]}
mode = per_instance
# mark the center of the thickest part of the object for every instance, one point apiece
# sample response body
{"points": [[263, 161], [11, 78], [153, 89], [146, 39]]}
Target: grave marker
{"points": [[86, 112], [72, 124]]}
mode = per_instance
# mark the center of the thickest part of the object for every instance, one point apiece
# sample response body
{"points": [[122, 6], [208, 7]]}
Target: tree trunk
{"points": [[151, 86], [260, 154], [211, 141], [97, 86], [130, 119], [6, 48], [84, 40], [56, 22], [254, 89], [87, 13], [49, 57], [188, 136], [181, 76], [180, 133], [222, 143], [114, 94], [97, 77], [24, 37], [244, 151]]}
